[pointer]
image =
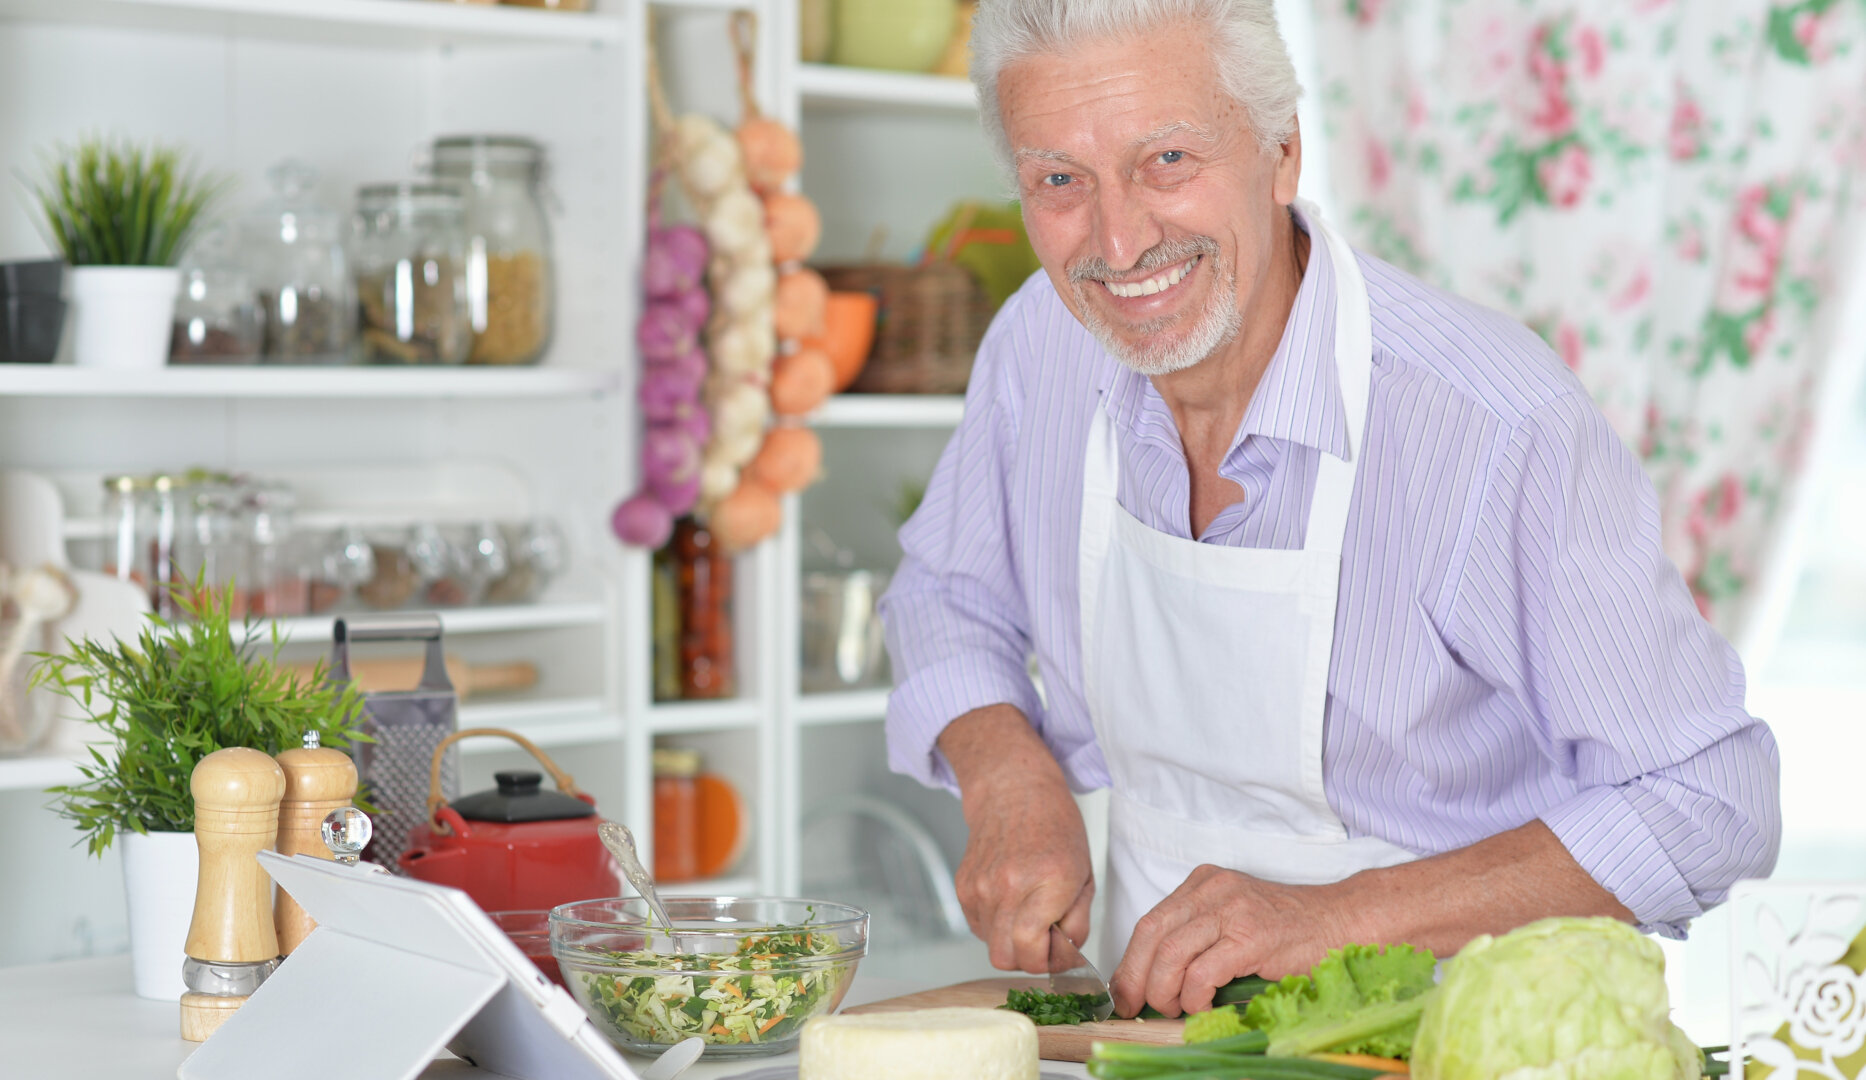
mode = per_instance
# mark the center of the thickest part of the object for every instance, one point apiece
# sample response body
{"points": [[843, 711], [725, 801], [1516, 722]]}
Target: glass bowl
{"points": [[743, 974]]}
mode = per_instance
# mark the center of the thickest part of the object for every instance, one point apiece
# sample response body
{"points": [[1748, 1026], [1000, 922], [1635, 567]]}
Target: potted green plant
{"points": [[121, 215], [184, 689]]}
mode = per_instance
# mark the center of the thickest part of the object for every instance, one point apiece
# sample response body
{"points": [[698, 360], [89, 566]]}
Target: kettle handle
{"points": [[436, 800]]}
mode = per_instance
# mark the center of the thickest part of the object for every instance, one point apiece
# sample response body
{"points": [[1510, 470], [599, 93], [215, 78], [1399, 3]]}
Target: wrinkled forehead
{"points": [[1107, 98]]}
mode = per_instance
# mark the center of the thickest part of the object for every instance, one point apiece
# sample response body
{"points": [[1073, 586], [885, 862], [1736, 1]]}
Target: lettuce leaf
{"points": [[1362, 999]]}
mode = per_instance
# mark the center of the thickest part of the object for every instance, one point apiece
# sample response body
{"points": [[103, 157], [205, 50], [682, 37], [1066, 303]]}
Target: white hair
{"points": [[1253, 63]]}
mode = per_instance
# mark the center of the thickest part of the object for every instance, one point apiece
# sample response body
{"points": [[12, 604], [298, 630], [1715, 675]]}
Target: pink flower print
{"points": [[1591, 48], [1687, 135], [1755, 253], [1757, 219], [1564, 175], [1637, 288], [1815, 34], [1704, 603], [1415, 107], [1365, 11], [1379, 163], [1757, 332], [1690, 246], [1569, 344], [1649, 432], [1715, 507]]}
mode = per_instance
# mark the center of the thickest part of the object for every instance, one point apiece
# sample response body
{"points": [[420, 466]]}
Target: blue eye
{"points": [[1171, 157], [1056, 179]]}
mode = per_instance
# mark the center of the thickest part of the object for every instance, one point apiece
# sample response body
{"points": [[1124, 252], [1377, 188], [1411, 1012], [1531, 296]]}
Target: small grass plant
{"points": [[114, 202], [184, 689]]}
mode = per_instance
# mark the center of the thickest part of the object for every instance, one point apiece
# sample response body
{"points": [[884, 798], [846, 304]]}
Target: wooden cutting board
{"points": [[1055, 1042]]}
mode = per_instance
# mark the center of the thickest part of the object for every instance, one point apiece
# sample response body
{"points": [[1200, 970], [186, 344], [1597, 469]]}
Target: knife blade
{"points": [[1071, 973]]}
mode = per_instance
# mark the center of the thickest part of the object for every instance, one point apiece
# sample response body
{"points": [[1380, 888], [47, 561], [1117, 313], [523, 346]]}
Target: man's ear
{"points": [[1288, 167]]}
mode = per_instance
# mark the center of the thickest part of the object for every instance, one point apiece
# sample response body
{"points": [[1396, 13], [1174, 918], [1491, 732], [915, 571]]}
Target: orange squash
{"points": [[848, 334], [722, 829]]}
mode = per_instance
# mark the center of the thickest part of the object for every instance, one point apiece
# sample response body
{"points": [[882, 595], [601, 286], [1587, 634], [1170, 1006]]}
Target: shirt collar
{"points": [[1299, 397]]}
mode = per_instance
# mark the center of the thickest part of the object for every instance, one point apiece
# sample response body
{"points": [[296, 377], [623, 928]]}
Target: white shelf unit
{"points": [[826, 86], [357, 87]]}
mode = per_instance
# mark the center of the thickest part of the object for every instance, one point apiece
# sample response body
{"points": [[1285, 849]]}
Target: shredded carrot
{"points": [[1368, 1061], [769, 1024], [733, 989], [718, 1029]]}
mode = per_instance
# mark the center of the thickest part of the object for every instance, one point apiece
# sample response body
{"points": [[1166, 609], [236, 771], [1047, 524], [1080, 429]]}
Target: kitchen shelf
{"points": [[890, 411], [842, 706], [311, 629], [834, 87], [559, 722], [61, 380], [37, 773], [686, 717], [368, 23]]}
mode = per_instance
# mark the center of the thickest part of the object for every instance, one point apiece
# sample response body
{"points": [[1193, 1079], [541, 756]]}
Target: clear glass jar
{"points": [[339, 562], [274, 581], [536, 551], [162, 516], [294, 249], [125, 558], [217, 320], [208, 549], [510, 286], [409, 253]]}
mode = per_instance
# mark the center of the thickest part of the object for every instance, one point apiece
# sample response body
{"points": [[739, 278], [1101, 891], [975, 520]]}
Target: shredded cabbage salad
{"points": [[762, 992]]}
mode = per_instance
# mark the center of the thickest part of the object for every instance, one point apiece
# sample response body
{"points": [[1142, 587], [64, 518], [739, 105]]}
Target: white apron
{"points": [[1205, 669]]}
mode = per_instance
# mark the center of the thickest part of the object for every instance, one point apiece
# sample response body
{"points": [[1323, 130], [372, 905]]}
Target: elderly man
{"points": [[1341, 584]]}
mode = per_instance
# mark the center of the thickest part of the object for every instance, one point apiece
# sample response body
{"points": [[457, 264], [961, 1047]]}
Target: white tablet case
{"points": [[395, 970]]}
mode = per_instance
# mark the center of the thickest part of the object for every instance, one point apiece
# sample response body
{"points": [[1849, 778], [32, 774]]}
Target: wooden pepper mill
{"points": [[231, 945], [318, 779]]}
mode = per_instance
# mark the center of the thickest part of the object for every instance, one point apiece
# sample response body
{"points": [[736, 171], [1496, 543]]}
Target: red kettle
{"points": [[514, 848]]}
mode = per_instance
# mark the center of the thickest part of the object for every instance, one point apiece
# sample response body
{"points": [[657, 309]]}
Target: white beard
{"points": [[1158, 355]]}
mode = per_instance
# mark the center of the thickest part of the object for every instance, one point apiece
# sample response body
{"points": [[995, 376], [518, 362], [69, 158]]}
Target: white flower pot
{"points": [[122, 316], [159, 871]]}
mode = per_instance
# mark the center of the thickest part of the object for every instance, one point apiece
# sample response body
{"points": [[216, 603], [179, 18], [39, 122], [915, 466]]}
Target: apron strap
{"points": [[1334, 477]]}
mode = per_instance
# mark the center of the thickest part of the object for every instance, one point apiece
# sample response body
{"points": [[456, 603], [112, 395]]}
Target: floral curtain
{"points": [[1661, 188]]}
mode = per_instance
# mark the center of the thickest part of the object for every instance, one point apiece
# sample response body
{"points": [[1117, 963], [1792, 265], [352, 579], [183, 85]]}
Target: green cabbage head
{"points": [[1560, 999]]}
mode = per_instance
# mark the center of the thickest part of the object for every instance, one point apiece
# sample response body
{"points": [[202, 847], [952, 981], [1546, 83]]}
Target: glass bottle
{"points": [[275, 583], [123, 519], [510, 288], [162, 514], [703, 578], [676, 815], [410, 258], [295, 252]]}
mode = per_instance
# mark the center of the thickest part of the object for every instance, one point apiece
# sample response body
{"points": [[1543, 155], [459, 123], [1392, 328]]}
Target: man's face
{"points": [[1145, 193]]}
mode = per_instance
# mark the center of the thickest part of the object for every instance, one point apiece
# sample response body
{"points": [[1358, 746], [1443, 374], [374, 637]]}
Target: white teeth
{"points": [[1152, 285]]}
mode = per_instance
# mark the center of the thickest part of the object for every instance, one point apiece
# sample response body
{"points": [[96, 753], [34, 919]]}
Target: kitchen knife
{"points": [[1071, 973]]}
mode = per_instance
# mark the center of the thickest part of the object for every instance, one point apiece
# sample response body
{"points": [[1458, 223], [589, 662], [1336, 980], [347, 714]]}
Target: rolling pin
{"points": [[403, 672]]}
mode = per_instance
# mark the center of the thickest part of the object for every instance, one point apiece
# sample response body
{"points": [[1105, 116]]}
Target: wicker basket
{"points": [[931, 320]]}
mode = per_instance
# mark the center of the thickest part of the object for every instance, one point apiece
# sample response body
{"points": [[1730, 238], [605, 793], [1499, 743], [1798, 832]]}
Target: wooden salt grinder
{"points": [[318, 779], [231, 944]]}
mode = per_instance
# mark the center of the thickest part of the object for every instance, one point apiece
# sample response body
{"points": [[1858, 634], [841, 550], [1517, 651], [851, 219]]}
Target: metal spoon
{"points": [[674, 1060], [621, 844]]}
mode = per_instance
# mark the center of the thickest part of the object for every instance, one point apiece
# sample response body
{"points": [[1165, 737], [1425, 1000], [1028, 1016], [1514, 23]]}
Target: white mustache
{"points": [[1159, 256]]}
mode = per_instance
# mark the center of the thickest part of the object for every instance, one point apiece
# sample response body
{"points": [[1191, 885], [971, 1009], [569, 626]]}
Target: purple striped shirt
{"points": [[1510, 641]]}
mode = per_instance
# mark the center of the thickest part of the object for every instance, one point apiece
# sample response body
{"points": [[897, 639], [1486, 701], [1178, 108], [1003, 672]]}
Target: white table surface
{"points": [[79, 1020]]}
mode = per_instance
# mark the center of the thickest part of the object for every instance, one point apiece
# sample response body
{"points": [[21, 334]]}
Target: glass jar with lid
{"points": [[409, 255], [294, 249], [510, 282], [208, 549], [125, 526], [275, 582], [217, 318]]}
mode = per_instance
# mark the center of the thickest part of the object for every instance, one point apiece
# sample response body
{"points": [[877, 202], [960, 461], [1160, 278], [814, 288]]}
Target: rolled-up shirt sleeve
{"points": [[1568, 604], [958, 629]]}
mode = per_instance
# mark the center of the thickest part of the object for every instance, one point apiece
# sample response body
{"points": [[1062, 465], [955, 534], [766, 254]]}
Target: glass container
{"points": [[274, 581], [210, 550], [703, 580], [510, 285], [614, 964], [538, 553], [294, 249], [217, 318], [124, 554], [339, 562], [410, 254], [676, 815], [162, 515], [393, 578]]}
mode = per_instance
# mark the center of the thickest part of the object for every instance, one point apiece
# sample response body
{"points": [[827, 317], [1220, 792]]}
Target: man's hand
{"points": [[1217, 926], [1026, 861]]}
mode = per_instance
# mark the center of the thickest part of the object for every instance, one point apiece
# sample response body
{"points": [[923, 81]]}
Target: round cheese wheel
{"points": [[920, 1044]]}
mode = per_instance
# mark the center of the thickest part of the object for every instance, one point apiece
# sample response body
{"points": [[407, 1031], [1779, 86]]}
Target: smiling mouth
{"points": [[1159, 283]]}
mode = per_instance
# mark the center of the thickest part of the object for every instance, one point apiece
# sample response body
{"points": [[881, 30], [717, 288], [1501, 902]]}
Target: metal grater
{"points": [[407, 725]]}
